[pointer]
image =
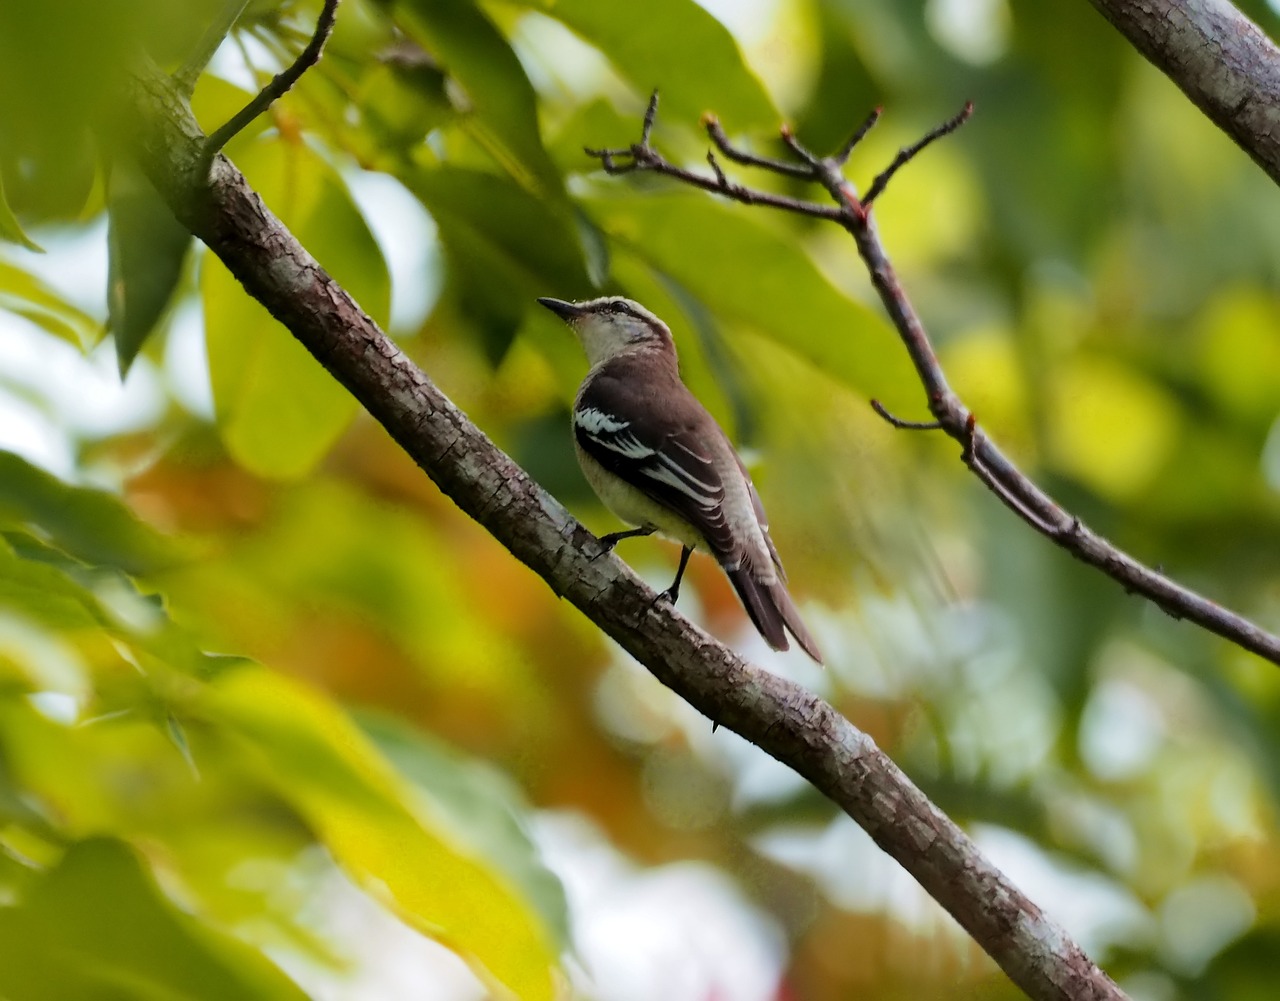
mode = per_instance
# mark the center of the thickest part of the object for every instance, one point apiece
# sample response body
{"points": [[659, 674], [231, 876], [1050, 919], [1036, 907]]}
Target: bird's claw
{"points": [[669, 594]]}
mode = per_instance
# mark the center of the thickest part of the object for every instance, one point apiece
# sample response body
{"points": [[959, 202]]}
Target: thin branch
{"points": [[650, 116], [841, 156], [189, 72], [995, 470], [904, 425], [716, 133], [721, 180], [645, 157], [1014, 503], [802, 154], [280, 83], [777, 715], [908, 153]]}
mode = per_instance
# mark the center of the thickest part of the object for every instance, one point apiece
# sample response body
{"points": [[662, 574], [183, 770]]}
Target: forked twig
{"points": [[1012, 486], [279, 84]]}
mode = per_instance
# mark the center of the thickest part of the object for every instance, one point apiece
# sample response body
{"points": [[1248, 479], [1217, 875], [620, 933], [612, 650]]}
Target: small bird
{"points": [[659, 461]]}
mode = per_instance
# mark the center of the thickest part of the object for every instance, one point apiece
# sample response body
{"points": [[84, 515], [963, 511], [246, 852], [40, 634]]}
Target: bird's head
{"points": [[612, 326]]}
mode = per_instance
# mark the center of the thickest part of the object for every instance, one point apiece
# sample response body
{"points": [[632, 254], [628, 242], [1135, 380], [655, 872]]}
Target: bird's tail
{"points": [[771, 610]]}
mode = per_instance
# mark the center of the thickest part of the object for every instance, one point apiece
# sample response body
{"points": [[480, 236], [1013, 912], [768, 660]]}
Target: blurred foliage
{"points": [[257, 677]]}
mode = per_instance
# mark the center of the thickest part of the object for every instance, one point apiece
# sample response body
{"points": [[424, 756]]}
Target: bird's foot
{"points": [[669, 595], [607, 542]]}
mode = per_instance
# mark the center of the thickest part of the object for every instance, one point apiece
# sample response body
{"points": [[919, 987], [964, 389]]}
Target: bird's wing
{"points": [[762, 520], [659, 456]]}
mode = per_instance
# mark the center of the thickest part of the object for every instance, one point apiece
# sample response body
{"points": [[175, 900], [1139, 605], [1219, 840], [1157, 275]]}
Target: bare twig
{"points": [[777, 715], [1012, 486], [280, 83], [969, 456], [712, 125], [841, 156], [908, 153], [643, 157], [802, 154], [901, 424]]}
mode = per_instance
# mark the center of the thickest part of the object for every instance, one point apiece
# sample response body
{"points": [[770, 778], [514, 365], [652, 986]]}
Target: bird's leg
{"points": [[607, 542], [673, 591]]}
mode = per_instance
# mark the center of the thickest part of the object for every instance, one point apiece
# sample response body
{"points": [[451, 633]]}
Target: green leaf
{"points": [[91, 525], [42, 594], [677, 47], [482, 807], [278, 410], [147, 247], [10, 228], [98, 927], [752, 274], [504, 248], [500, 105], [380, 830], [401, 102]]}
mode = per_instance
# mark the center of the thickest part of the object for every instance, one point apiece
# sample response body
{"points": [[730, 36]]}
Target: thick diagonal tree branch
{"points": [[777, 715], [996, 471], [1220, 59]]}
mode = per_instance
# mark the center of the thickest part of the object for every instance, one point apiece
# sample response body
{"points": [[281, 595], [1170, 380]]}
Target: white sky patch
{"points": [[1200, 918], [1121, 730], [634, 944], [228, 62], [186, 362], [25, 431], [749, 21], [74, 265], [857, 876], [409, 240], [778, 40], [976, 31], [557, 59], [52, 394]]}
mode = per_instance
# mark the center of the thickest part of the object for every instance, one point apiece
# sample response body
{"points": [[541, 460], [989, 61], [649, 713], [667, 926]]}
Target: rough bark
{"points": [[1219, 58]]}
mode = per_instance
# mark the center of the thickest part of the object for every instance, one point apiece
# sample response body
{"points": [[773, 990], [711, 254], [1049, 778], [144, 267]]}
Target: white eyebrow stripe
{"points": [[594, 421]]}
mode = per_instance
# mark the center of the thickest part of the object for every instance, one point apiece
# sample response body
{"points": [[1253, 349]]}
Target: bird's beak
{"points": [[567, 311]]}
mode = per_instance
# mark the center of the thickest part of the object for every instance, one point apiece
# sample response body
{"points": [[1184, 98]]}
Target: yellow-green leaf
{"points": [[381, 831], [676, 46], [500, 108], [97, 926], [10, 228]]}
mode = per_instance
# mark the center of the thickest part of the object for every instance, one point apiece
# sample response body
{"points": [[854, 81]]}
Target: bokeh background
{"points": [[277, 721]]}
